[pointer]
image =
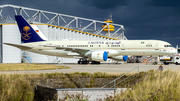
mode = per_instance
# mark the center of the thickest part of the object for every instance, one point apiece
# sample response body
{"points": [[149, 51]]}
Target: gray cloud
{"points": [[105, 4], [164, 3], [142, 19]]}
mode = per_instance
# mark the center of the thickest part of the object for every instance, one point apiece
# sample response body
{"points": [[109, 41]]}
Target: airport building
{"points": [[55, 26]]}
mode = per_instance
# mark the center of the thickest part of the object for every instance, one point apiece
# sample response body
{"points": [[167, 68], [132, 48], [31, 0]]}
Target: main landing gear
{"points": [[95, 62], [81, 61]]}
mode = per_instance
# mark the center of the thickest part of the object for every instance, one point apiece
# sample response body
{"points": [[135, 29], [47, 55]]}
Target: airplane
{"points": [[94, 51]]}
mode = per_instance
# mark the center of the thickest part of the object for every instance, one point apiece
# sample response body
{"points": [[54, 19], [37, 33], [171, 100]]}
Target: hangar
{"points": [[55, 26]]}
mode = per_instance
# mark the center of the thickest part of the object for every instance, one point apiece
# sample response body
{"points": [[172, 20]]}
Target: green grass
{"points": [[146, 86], [156, 86], [20, 87], [16, 88], [25, 66]]}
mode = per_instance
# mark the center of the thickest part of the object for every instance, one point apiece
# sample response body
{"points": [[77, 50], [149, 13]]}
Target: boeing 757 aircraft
{"points": [[87, 51]]}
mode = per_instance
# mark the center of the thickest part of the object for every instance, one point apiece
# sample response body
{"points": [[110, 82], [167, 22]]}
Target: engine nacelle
{"points": [[120, 58], [100, 56]]}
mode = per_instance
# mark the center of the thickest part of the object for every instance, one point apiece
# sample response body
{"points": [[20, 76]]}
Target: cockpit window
{"points": [[167, 45]]}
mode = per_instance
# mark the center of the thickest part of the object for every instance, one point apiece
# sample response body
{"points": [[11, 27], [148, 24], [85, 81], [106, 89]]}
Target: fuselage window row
{"points": [[90, 45], [115, 46], [78, 45]]}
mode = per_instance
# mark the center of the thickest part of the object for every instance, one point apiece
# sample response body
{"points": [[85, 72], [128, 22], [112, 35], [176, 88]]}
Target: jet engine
{"points": [[120, 58], [100, 56]]}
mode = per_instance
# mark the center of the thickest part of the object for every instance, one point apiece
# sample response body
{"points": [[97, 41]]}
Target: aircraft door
{"points": [[40, 47], [122, 47], [157, 47]]}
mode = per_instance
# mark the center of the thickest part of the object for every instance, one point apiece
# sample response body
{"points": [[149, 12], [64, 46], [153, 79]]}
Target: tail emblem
{"points": [[25, 34]]}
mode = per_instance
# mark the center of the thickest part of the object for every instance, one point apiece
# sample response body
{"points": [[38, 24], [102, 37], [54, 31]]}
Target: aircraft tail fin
{"points": [[29, 33]]}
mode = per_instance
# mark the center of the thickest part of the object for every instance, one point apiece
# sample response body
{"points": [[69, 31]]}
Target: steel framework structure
{"points": [[65, 21]]}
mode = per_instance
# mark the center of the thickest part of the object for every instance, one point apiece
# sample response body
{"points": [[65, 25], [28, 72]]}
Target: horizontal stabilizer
{"points": [[19, 46]]}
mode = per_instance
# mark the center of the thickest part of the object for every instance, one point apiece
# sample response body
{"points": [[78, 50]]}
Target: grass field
{"points": [[155, 86], [147, 86], [25, 66], [20, 87]]}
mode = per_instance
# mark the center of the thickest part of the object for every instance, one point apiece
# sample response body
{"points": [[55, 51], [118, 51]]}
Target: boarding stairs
{"points": [[26, 56]]}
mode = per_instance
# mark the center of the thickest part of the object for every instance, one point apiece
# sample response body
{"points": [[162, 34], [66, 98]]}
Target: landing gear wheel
{"points": [[95, 62], [83, 62]]}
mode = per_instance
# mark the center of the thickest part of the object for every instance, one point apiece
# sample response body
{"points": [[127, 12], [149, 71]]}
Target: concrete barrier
{"points": [[91, 94]]}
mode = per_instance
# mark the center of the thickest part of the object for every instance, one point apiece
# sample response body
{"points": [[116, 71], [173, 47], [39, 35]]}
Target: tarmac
{"points": [[108, 68]]}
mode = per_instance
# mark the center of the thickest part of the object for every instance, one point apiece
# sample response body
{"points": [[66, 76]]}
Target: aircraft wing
{"points": [[78, 50], [23, 47]]}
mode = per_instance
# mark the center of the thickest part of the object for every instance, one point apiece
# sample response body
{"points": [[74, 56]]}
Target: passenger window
{"points": [[177, 58], [148, 45]]}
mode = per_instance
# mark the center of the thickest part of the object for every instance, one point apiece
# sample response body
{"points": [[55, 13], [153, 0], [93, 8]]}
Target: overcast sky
{"points": [[142, 19]]}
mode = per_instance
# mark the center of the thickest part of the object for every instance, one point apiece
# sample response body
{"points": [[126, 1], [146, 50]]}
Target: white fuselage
{"points": [[114, 48]]}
